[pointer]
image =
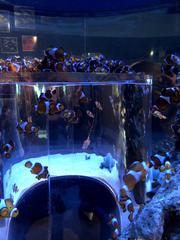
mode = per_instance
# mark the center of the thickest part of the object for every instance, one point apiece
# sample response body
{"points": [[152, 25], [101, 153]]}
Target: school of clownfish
{"points": [[136, 172], [57, 60], [46, 106], [168, 96]]}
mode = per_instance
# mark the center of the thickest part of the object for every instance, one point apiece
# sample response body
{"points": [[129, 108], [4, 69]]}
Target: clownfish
{"points": [[159, 159], [7, 209], [126, 203], [163, 102], [113, 221], [48, 107], [7, 148], [136, 172], [168, 96], [27, 127], [14, 67], [168, 171], [40, 171], [55, 53], [48, 95]]}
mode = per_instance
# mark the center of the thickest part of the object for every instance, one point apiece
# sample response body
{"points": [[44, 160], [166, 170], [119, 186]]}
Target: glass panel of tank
{"points": [[64, 149], [67, 138]]}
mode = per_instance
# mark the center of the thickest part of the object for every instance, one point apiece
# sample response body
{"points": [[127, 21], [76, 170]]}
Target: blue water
{"points": [[54, 207]]}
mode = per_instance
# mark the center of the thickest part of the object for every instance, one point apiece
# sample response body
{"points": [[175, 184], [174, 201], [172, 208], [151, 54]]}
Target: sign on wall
{"points": [[28, 43], [9, 45], [4, 21], [24, 18]]}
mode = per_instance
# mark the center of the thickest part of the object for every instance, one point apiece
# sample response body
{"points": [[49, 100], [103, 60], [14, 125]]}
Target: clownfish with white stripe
{"points": [[7, 149], [27, 127], [167, 171], [158, 159], [113, 221], [40, 171], [48, 107], [7, 209], [137, 172], [50, 94], [167, 97], [126, 203]]}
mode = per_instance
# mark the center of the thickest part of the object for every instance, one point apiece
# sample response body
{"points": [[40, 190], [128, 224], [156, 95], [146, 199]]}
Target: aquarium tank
{"points": [[89, 120]]}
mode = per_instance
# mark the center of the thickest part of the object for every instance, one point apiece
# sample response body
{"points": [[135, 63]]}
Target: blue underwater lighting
{"points": [[93, 7]]}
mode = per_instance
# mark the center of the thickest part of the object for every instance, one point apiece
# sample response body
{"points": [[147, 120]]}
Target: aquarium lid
{"points": [[87, 8], [71, 78]]}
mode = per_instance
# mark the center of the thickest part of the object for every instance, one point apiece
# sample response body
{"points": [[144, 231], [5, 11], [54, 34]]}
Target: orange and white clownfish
{"points": [[113, 221], [173, 93], [159, 159], [27, 127], [7, 209], [48, 107], [168, 171], [14, 67], [7, 148], [136, 172], [123, 197], [50, 94], [55, 53], [168, 96], [163, 102], [126, 203], [37, 169]]}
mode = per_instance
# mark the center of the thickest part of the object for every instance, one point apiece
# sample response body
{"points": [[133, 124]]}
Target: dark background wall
{"points": [[129, 36]]}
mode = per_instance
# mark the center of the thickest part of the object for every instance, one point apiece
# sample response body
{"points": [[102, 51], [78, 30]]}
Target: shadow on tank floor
{"points": [[71, 201]]}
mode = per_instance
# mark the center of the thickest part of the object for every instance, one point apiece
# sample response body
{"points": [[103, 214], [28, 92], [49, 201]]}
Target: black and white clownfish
{"points": [[48, 107], [27, 127], [7, 209], [7, 148], [168, 171], [40, 171]]}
